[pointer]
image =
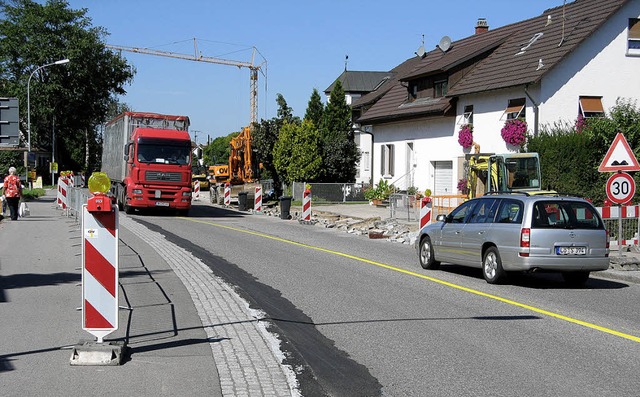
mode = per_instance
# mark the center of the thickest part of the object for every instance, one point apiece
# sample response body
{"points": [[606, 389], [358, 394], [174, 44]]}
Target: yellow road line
{"points": [[435, 280]]}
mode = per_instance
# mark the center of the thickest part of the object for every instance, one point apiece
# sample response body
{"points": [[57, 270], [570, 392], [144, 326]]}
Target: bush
{"points": [[30, 194]]}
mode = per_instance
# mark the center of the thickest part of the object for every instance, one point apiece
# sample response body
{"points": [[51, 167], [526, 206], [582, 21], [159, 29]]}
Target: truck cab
{"points": [[503, 173]]}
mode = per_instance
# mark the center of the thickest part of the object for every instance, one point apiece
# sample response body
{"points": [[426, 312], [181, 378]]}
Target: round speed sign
{"points": [[620, 188]]}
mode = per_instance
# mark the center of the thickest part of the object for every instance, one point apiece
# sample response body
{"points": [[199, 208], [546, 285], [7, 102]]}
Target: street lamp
{"points": [[60, 62]]}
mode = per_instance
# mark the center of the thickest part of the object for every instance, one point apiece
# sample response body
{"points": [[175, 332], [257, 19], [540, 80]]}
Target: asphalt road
{"points": [[363, 318]]}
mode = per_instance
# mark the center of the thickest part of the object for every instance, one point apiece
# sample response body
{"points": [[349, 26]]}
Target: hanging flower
{"points": [[581, 122], [514, 132], [465, 136], [463, 186]]}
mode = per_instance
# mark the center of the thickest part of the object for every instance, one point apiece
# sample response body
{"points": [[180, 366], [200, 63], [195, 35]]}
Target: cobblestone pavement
{"points": [[247, 356]]}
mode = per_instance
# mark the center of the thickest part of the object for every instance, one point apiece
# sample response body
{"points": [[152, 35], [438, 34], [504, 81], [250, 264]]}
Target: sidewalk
{"points": [[170, 351]]}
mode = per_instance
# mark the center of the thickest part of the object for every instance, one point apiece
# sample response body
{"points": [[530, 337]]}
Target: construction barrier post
{"points": [[100, 266], [227, 194], [425, 212], [306, 205], [257, 205], [63, 187], [196, 190]]}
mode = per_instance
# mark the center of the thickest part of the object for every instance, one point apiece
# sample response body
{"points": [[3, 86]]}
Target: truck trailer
{"points": [[147, 156]]}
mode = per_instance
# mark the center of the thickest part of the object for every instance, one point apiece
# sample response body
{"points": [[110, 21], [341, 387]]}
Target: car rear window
{"points": [[565, 214]]}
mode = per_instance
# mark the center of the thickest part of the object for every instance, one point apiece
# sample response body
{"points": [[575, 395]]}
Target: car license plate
{"points": [[571, 250], [162, 203]]}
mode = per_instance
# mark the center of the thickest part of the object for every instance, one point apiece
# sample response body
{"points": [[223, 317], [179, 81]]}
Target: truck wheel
{"points": [[128, 209]]}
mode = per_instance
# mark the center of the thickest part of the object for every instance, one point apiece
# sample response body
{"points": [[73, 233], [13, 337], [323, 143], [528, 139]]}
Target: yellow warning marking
{"points": [[433, 279]]}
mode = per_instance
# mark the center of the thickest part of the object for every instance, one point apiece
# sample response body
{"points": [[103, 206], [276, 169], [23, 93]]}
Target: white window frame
{"points": [[387, 159], [467, 115]]}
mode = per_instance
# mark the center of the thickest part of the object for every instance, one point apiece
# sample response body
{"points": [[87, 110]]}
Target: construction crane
{"points": [[252, 66]]}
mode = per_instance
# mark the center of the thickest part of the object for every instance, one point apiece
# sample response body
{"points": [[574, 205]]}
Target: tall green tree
{"points": [[297, 153], [315, 109], [340, 152], [73, 98], [264, 137]]}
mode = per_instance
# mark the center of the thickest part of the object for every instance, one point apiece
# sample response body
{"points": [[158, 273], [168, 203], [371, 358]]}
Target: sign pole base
{"points": [[98, 353]]}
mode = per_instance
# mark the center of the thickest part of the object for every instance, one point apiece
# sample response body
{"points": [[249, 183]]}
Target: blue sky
{"points": [[303, 42]]}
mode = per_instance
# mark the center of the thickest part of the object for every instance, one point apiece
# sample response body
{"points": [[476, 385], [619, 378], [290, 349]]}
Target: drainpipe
{"points": [[536, 110]]}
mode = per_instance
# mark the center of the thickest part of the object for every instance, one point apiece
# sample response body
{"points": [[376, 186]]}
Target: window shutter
{"points": [[391, 160]]}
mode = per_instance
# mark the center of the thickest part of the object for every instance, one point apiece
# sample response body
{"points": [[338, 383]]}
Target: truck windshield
{"points": [[170, 152]]}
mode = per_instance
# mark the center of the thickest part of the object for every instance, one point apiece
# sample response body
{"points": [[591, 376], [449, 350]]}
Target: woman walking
{"points": [[12, 190]]}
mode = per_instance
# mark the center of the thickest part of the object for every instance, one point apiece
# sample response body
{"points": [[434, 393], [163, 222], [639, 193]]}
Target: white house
{"points": [[573, 59]]}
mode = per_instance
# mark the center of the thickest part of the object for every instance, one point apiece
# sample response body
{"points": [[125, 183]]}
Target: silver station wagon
{"points": [[503, 233]]}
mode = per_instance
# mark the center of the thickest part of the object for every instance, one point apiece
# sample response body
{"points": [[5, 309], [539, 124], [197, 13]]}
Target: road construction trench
{"points": [[432, 279]]}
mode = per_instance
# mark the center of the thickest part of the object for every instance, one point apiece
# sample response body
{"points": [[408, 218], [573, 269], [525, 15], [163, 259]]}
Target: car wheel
{"points": [[492, 266], [425, 256], [575, 279]]}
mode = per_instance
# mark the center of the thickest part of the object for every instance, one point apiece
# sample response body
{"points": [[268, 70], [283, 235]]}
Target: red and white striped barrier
{"points": [[196, 190], [72, 181], [62, 192], [257, 204], [306, 205], [425, 212], [613, 213], [100, 272], [227, 194]]}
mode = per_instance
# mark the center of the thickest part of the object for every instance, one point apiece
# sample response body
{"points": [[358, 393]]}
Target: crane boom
{"points": [[199, 58]]}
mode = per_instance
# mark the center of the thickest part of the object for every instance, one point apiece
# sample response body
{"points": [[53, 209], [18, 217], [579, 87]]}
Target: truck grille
{"points": [[163, 176]]}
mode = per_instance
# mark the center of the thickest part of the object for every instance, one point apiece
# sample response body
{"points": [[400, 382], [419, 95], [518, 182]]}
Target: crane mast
{"points": [[253, 68]]}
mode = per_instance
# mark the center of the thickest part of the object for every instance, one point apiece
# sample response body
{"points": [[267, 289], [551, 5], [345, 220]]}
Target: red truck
{"points": [[147, 156]]}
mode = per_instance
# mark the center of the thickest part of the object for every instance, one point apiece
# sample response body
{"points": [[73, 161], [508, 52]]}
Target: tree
{"points": [[218, 151], [297, 153], [78, 95], [340, 152], [264, 137], [315, 109]]}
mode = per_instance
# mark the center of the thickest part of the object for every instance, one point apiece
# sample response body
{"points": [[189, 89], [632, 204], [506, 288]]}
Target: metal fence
{"points": [[630, 231], [330, 192], [76, 198], [404, 207]]}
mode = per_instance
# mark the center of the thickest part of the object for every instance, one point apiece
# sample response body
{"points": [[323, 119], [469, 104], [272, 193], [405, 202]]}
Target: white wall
{"points": [[432, 141], [599, 67]]}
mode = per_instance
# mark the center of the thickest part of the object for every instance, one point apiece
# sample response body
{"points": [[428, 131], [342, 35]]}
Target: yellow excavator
{"points": [[239, 172], [509, 172]]}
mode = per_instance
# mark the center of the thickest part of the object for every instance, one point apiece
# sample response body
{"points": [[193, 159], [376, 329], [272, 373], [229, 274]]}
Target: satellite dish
{"points": [[445, 43], [421, 53]]}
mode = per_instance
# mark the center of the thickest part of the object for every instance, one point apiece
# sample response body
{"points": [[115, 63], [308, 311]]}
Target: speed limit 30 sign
{"points": [[620, 188]]}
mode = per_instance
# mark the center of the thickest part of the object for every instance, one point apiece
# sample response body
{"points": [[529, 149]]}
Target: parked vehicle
{"points": [[147, 156], [503, 233]]}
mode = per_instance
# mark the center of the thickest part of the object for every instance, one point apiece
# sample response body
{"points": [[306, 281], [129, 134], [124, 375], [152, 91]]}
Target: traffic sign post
{"points": [[620, 186]]}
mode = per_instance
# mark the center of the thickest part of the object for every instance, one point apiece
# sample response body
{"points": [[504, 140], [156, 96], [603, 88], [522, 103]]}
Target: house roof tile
{"points": [[516, 54]]}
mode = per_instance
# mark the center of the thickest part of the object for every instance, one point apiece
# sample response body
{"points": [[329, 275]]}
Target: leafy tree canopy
{"points": [[315, 109], [218, 151], [78, 95]]}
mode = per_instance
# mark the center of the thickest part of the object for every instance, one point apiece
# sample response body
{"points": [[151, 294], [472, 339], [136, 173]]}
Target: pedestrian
{"points": [[12, 191]]}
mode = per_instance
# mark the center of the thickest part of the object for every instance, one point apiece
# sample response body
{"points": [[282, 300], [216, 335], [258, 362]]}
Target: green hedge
{"points": [[569, 159]]}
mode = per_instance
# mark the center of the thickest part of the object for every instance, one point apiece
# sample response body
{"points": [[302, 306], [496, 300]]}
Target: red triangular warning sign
{"points": [[619, 157]]}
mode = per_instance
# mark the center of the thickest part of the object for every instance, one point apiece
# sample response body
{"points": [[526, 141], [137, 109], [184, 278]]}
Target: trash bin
{"points": [[285, 207], [242, 201]]}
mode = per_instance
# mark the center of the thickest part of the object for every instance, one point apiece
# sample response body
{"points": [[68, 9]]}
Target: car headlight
{"points": [[186, 193], [137, 191]]}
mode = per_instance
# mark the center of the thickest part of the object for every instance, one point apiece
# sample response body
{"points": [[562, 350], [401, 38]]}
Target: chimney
{"points": [[481, 26]]}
